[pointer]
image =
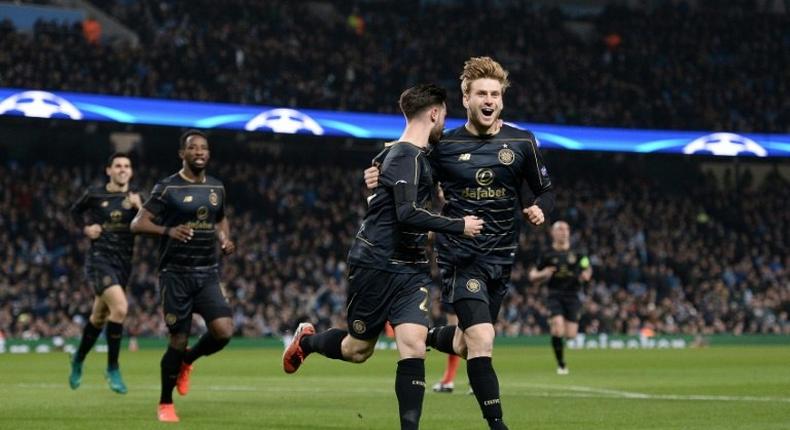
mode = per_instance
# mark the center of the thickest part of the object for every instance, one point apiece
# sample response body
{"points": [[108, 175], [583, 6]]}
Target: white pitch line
{"points": [[605, 392], [574, 391], [595, 390]]}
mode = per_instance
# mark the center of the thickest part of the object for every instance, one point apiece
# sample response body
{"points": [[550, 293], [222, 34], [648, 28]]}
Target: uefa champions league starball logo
{"points": [[725, 144], [283, 120], [39, 104]]}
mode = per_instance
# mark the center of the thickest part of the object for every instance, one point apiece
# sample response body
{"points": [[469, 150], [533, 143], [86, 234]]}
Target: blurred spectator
{"points": [[91, 29], [673, 66]]}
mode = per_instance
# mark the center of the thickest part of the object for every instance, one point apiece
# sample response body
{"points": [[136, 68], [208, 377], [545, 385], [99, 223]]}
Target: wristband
{"points": [[166, 232]]}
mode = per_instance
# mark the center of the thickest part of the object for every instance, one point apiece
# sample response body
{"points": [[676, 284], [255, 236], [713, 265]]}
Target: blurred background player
{"points": [[104, 213], [187, 211], [389, 271], [565, 270]]}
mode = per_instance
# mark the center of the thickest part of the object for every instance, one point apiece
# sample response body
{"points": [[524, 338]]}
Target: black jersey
{"points": [[484, 176], [569, 264], [114, 212], [176, 200], [394, 230]]}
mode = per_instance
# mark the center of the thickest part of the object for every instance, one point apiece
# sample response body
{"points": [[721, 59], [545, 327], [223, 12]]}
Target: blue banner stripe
{"points": [[135, 110]]}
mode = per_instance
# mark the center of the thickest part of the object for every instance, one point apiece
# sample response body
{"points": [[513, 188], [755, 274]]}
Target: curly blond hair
{"points": [[481, 68]]}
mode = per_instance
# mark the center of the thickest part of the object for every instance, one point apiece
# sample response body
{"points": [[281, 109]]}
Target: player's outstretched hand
{"points": [[93, 231], [228, 247], [372, 177], [181, 233], [534, 215], [472, 225]]}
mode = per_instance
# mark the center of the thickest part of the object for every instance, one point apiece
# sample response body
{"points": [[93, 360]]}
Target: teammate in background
{"points": [[187, 210], [482, 167], [565, 270], [389, 272], [104, 213]]}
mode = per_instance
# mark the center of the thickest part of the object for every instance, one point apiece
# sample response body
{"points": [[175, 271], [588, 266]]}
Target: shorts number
{"points": [[424, 302]]}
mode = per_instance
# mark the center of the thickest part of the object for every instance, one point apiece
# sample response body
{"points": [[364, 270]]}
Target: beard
{"points": [[195, 168], [436, 135]]}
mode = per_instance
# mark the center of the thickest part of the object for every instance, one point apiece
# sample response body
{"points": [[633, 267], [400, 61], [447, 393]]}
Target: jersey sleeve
{"points": [[401, 172], [221, 211], [156, 203], [540, 264], [536, 176], [77, 210]]}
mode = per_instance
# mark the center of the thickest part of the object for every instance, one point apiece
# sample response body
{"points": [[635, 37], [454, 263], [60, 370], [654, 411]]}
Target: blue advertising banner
{"points": [[134, 110]]}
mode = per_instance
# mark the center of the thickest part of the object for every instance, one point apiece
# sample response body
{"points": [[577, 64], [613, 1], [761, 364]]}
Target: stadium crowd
{"points": [[696, 260], [673, 66]]}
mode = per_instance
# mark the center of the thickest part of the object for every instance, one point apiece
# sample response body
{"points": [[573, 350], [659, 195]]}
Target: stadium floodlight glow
{"points": [[136, 110]]}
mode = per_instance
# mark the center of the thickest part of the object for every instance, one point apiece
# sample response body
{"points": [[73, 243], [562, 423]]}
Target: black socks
{"points": [[557, 343], [89, 335], [326, 343], [441, 339], [410, 390], [170, 366], [206, 345], [113, 334], [485, 385]]}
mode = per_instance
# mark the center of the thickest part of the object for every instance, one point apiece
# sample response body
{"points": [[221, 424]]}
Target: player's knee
{"points": [[461, 349], [358, 353], [179, 341], [479, 340], [98, 319], [118, 313], [221, 329], [412, 348], [480, 348], [223, 336]]}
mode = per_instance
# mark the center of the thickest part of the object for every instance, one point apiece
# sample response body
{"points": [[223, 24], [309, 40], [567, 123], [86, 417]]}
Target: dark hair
{"points": [[118, 155], [187, 134], [419, 97]]}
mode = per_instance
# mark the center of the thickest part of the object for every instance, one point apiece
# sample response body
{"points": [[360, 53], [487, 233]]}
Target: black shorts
{"points": [[185, 293], [569, 306], [483, 282], [103, 273], [376, 296]]}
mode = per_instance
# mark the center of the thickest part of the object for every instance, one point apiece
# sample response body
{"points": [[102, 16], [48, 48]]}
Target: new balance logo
{"points": [[465, 157]]}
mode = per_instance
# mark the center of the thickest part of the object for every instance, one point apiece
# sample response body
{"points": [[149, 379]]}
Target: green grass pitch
{"points": [[711, 388]]}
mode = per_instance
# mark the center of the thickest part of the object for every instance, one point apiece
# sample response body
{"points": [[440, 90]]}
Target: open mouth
{"points": [[487, 112], [200, 161]]}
